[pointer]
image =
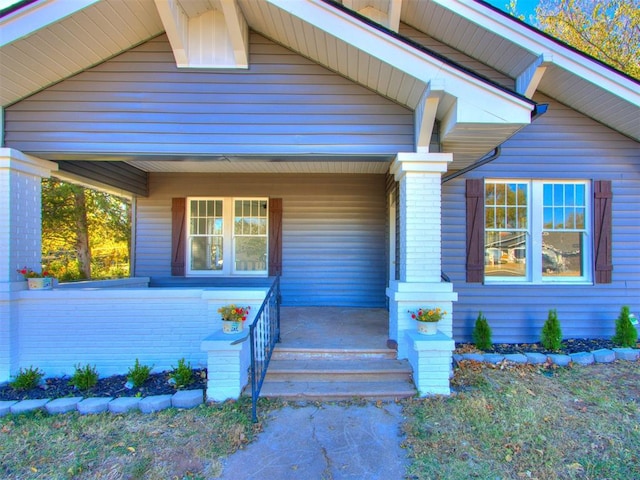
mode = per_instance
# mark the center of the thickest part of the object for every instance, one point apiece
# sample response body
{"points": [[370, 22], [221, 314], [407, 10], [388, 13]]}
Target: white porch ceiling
{"points": [[257, 166]]}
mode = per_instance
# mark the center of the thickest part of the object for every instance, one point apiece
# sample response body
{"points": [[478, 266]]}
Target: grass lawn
{"points": [[504, 423], [171, 444], [526, 422]]}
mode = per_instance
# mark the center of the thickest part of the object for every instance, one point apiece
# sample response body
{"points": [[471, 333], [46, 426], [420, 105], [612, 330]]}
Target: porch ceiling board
{"points": [[115, 175], [333, 166], [84, 38]]}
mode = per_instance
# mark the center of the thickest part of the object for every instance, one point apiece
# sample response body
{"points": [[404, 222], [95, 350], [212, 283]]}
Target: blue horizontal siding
{"points": [[562, 144], [140, 103], [333, 237]]}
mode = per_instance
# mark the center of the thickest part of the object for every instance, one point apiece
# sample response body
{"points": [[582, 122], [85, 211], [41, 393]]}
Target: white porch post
{"points": [[419, 284], [20, 240]]}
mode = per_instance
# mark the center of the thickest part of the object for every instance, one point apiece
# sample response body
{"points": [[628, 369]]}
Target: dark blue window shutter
{"points": [[475, 230], [603, 231], [178, 236]]}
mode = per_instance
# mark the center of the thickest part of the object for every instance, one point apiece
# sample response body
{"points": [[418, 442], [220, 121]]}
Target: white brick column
{"points": [[227, 365], [419, 285], [20, 239]]}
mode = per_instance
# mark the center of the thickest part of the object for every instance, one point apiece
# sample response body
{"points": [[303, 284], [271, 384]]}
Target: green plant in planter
{"points": [[27, 378], [551, 337], [182, 375], [482, 333], [139, 374], [626, 334], [84, 377]]}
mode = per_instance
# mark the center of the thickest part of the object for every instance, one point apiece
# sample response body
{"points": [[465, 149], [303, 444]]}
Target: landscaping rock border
{"points": [[183, 399], [602, 355]]}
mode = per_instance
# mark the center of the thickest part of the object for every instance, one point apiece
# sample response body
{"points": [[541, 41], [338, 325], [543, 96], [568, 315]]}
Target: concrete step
{"points": [[294, 353], [337, 374], [336, 370], [390, 390]]}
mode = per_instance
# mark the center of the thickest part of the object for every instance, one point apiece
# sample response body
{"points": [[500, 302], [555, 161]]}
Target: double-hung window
{"points": [[227, 236], [537, 231]]}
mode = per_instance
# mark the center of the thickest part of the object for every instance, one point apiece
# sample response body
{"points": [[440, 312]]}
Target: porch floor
{"points": [[335, 353], [334, 327]]}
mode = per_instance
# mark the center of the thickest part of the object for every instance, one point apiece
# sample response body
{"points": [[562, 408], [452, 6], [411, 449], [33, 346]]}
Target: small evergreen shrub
{"points": [[27, 378], [182, 375], [482, 333], [551, 337], [139, 374], [84, 377], [626, 334]]}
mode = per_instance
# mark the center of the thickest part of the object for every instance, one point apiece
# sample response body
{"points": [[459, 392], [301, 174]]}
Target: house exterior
{"points": [[388, 153]]}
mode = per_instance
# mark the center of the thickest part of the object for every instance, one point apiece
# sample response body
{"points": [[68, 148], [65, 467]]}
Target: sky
{"points": [[524, 7]]}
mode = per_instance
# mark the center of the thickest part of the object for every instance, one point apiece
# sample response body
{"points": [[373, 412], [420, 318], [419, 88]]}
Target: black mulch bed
{"points": [[574, 345], [114, 386], [158, 383]]}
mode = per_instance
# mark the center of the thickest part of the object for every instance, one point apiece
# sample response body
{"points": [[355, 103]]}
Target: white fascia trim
{"points": [[34, 17], [329, 19], [562, 57]]}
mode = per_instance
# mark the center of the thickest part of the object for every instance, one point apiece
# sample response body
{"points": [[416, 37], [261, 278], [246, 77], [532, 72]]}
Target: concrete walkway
{"points": [[325, 442]]}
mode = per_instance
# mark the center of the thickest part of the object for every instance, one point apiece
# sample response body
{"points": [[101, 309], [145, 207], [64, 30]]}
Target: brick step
{"points": [[359, 370], [294, 353], [388, 391]]}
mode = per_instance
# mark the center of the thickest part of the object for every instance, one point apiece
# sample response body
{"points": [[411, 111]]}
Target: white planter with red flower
{"points": [[427, 328], [233, 318], [229, 326], [44, 283], [35, 280], [427, 319]]}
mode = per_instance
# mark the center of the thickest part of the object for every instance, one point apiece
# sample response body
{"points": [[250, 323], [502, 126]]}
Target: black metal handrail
{"points": [[264, 333]]}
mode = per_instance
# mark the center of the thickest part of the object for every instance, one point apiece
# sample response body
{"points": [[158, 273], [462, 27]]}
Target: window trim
{"points": [[527, 232], [228, 236], [253, 273], [535, 224]]}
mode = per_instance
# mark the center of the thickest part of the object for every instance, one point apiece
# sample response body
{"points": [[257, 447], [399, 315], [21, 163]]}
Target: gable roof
{"points": [[47, 41], [517, 49]]}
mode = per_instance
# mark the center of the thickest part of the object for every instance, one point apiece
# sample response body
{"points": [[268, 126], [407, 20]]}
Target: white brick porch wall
{"points": [[111, 328]]}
